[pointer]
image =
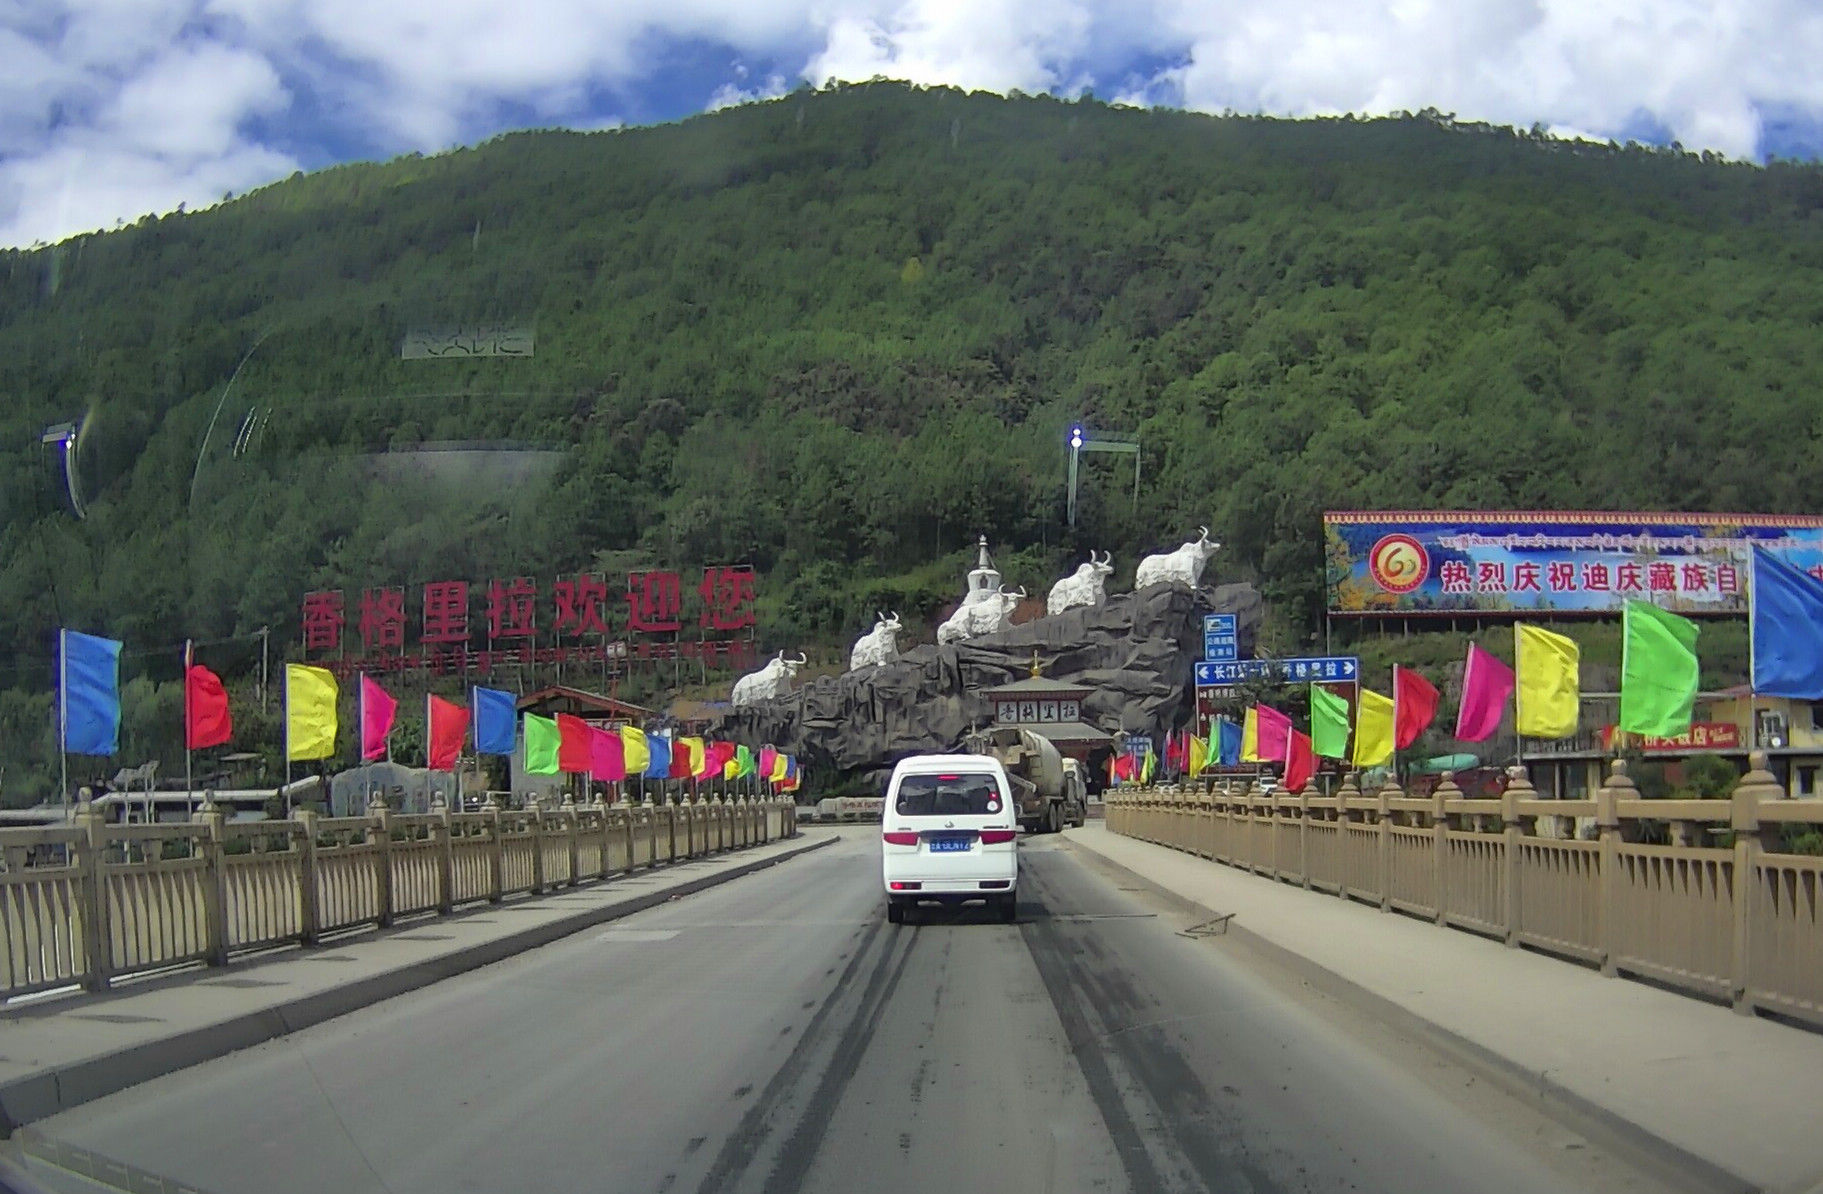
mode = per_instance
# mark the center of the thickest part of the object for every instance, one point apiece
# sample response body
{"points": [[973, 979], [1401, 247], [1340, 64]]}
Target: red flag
{"points": [[1123, 766], [1177, 751], [574, 750], [378, 709], [683, 761], [1300, 763], [1414, 706], [206, 718], [448, 725]]}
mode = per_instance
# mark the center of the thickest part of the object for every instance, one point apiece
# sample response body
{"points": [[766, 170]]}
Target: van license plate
{"points": [[944, 845]]}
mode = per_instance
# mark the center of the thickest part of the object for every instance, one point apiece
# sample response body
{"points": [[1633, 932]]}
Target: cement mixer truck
{"points": [[1050, 790]]}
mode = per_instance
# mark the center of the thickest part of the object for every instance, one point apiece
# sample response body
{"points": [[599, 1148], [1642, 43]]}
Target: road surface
{"points": [[775, 1034]]}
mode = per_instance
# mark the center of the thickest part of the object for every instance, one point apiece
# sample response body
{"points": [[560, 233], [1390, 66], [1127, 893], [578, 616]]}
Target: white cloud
{"points": [[110, 108]]}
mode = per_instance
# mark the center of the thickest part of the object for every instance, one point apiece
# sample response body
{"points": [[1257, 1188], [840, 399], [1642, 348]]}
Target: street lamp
{"points": [[67, 437], [1082, 441]]}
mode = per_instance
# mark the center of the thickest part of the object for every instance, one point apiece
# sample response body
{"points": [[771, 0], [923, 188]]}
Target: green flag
{"points": [[1658, 671], [744, 759], [542, 739], [1328, 723]]}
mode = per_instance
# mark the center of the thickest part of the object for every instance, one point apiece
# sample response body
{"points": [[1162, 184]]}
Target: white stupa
{"points": [[984, 581]]}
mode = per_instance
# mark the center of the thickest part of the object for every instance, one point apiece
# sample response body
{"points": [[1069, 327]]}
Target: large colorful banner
{"points": [[1467, 562]]}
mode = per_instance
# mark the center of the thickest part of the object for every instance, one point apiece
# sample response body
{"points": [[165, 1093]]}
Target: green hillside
{"points": [[840, 334]]}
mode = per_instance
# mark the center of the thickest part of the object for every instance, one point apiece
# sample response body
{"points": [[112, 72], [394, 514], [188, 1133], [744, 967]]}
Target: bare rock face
{"points": [[1134, 651]]}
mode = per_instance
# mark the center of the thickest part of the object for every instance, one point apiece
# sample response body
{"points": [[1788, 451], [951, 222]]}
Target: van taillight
{"points": [[900, 838], [997, 837]]}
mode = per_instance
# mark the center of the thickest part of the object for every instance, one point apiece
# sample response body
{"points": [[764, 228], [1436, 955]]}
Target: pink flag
{"points": [[377, 711], [1486, 685], [607, 759], [1274, 733]]}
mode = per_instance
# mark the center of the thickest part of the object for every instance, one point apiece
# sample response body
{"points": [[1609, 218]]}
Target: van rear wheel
{"points": [[895, 911], [1009, 907]]}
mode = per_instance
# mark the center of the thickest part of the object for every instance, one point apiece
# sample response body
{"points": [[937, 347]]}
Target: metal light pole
{"points": [[1082, 441]]}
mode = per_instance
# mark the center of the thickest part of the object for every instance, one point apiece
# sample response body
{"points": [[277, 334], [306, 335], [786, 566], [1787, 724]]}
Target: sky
{"points": [[110, 109]]}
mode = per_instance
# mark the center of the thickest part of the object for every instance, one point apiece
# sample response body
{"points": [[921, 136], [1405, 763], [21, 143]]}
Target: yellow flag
{"points": [[1199, 756], [1250, 736], [1373, 729], [1548, 685], [633, 747], [310, 697]]}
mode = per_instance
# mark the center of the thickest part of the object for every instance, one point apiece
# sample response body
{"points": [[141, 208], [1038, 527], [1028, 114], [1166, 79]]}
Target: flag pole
{"points": [[63, 717], [287, 788], [189, 772], [1753, 613]]}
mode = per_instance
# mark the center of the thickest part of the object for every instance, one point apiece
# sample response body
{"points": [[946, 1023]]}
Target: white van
{"points": [[948, 833]]}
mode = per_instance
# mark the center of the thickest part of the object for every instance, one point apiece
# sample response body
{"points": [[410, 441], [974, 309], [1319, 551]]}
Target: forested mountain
{"points": [[839, 334]]}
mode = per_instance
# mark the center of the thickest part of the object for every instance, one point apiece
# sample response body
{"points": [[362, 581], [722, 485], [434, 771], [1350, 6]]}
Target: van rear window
{"points": [[948, 796]]}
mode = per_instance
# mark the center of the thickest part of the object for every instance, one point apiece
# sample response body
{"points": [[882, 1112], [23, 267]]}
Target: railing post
{"points": [[1757, 785], [444, 829], [97, 939], [309, 914], [1519, 787], [567, 812], [648, 814], [1607, 820], [496, 860], [1445, 791], [607, 837], [1383, 864], [1350, 790], [537, 815], [215, 882], [1304, 838], [379, 833]]}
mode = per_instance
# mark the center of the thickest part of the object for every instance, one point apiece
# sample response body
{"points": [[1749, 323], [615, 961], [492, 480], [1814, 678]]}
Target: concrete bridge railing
{"points": [[1737, 921], [89, 902]]}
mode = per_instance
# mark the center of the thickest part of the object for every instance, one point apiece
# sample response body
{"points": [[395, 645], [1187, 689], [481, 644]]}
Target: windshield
{"points": [[948, 796]]}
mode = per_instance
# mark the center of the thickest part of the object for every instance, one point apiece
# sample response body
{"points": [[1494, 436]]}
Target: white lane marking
{"points": [[637, 935]]}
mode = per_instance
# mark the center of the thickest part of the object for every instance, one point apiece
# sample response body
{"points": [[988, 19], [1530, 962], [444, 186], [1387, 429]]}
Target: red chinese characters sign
{"points": [[1703, 735], [518, 620]]}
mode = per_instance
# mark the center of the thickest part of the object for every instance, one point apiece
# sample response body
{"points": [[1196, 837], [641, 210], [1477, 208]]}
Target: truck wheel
{"points": [[1053, 821]]}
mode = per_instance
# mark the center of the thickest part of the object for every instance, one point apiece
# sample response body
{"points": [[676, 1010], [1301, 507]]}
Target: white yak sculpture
{"points": [[1085, 586], [1181, 567], [773, 680], [879, 645], [991, 614]]}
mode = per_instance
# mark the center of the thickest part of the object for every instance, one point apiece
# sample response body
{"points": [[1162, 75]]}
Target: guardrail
{"points": [[1735, 921], [88, 902]]}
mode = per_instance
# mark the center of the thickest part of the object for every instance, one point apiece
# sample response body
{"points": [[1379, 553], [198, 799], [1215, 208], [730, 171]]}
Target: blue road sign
{"points": [[1221, 638], [1320, 668]]}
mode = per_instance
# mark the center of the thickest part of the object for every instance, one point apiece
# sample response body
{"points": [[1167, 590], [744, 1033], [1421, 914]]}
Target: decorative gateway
{"points": [[1085, 586], [1181, 567], [773, 680], [879, 645]]}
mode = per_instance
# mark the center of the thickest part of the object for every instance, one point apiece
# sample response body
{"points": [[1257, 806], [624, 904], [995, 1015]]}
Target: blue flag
{"points": [[1228, 744], [90, 717], [1786, 625], [659, 765], [496, 720]]}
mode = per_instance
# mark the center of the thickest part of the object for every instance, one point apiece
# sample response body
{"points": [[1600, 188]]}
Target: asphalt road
{"points": [[775, 1034]]}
